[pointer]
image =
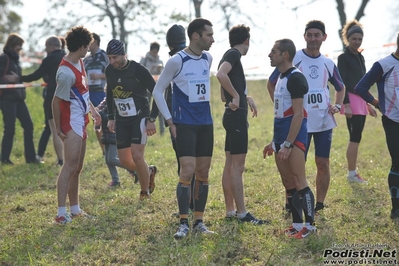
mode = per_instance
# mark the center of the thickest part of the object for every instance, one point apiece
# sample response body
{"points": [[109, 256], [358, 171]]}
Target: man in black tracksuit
{"points": [[47, 71]]}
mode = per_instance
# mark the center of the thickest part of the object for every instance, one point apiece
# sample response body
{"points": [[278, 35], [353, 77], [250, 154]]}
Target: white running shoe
{"points": [[201, 228], [356, 178], [182, 232]]}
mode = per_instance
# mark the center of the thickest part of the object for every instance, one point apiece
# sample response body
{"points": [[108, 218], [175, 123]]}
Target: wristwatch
{"points": [[288, 144], [151, 119], [338, 106]]}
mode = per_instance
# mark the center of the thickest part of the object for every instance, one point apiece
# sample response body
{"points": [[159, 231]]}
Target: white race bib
{"points": [[125, 107], [199, 90], [93, 81], [278, 106], [317, 99]]}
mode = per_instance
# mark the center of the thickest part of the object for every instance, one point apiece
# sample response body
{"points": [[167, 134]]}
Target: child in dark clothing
{"points": [[111, 152]]}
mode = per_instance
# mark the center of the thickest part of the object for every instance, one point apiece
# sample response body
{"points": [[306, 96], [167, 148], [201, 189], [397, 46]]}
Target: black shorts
{"points": [[236, 126], [194, 141], [132, 133], [391, 129], [355, 126]]}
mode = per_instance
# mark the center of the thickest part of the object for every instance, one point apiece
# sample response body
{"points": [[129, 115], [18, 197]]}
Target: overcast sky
{"points": [[272, 21]]}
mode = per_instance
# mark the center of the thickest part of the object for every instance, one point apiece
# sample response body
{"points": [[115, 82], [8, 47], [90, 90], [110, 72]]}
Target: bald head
{"points": [[53, 43]]}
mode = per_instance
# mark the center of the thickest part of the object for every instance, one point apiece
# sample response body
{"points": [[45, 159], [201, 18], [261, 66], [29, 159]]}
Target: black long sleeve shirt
{"points": [[352, 68], [47, 71]]}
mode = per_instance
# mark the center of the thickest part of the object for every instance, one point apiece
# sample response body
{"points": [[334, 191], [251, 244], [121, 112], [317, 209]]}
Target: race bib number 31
{"points": [[199, 90]]}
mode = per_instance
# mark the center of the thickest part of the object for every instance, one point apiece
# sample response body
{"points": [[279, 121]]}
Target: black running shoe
{"points": [[249, 218], [319, 207]]}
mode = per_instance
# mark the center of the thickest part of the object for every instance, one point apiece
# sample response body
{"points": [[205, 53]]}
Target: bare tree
{"points": [[341, 12], [125, 17], [197, 7], [9, 20], [342, 15], [229, 9]]}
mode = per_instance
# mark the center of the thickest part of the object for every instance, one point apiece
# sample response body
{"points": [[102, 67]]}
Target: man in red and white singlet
{"points": [[71, 106]]}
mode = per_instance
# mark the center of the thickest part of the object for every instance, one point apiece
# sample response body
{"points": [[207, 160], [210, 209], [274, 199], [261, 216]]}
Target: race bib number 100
{"points": [[317, 99], [125, 107], [199, 90]]}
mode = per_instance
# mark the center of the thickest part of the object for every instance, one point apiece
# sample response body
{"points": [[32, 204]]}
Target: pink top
{"points": [[357, 104]]}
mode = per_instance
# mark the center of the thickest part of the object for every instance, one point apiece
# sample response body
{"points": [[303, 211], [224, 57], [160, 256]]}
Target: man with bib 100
{"points": [[318, 70]]}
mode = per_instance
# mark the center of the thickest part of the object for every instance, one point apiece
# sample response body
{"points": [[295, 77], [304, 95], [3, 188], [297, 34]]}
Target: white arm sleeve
{"points": [[172, 68]]}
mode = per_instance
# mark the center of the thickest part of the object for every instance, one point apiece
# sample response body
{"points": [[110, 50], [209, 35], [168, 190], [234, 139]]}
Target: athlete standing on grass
{"points": [[71, 105], [385, 73], [318, 70], [191, 121], [290, 137], [176, 40], [127, 85], [352, 68], [234, 93]]}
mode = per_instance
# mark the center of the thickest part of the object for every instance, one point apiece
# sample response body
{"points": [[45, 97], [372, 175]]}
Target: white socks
{"points": [[352, 173], [61, 211], [75, 209]]}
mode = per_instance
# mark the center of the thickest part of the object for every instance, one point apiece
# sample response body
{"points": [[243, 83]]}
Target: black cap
{"points": [[176, 36]]}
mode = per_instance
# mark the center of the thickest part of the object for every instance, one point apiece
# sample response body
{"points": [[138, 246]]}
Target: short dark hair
{"points": [[287, 45], [198, 26], [96, 38], [238, 34], [154, 45], [13, 40], [316, 24], [77, 37]]}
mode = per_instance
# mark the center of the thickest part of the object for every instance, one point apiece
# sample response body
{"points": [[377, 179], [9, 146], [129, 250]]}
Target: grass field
{"points": [[129, 232]]}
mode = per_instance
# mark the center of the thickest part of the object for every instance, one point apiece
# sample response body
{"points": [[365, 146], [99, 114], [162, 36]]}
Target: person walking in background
{"points": [[71, 106], [95, 64], [108, 139], [290, 137], [191, 124], [234, 93], [352, 68], [385, 73], [12, 102], [129, 113], [48, 70], [152, 62], [318, 70]]}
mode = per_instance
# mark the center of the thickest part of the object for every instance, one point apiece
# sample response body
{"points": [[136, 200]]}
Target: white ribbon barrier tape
{"points": [[13, 86]]}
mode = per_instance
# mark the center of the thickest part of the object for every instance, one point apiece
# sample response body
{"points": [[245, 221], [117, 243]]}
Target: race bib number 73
{"points": [[199, 90]]}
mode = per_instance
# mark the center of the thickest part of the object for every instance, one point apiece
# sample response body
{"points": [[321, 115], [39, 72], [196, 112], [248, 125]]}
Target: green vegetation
{"points": [[129, 232]]}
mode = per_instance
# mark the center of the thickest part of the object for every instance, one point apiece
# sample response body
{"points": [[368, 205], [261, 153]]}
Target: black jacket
{"points": [[352, 68], [12, 59], [47, 71]]}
